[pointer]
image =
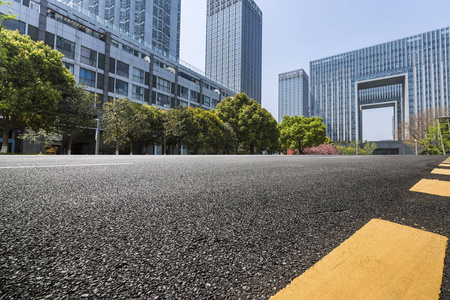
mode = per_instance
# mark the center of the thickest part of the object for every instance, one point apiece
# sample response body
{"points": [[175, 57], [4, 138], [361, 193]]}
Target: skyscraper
{"points": [[293, 94], [410, 75], [154, 21], [234, 45]]}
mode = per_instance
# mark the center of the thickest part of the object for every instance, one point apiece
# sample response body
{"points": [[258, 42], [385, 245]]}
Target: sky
{"points": [[380, 118], [296, 32]]}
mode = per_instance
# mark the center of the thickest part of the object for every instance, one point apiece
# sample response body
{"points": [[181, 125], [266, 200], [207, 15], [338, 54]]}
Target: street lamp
{"points": [[97, 140]]}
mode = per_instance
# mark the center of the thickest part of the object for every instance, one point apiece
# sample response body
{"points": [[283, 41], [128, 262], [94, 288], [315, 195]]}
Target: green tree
{"points": [[32, 81], [199, 129], [369, 147], [150, 126], [301, 132], [42, 137], [121, 123], [248, 121], [172, 130], [74, 113], [436, 141]]}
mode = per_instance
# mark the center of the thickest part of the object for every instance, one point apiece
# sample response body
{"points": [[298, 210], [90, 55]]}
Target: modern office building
{"points": [[154, 21], [293, 94], [234, 45], [411, 75], [110, 62]]}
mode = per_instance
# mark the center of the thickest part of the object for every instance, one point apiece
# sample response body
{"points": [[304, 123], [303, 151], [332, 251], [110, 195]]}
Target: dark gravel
{"points": [[197, 227]]}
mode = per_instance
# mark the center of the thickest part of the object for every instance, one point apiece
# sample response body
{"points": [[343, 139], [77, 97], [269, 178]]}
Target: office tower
{"points": [[411, 75], [154, 21], [234, 45], [293, 94]]}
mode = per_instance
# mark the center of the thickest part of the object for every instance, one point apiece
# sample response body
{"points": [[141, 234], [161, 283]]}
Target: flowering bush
{"points": [[324, 149], [51, 151]]}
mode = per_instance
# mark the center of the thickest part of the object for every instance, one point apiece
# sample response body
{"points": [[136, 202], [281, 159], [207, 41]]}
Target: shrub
{"points": [[324, 149]]}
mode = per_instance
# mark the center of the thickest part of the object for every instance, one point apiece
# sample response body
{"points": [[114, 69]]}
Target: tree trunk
{"points": [[164, 146], [6, 128], [69, 147], [117, 147], [146, 149], [131, 148]]}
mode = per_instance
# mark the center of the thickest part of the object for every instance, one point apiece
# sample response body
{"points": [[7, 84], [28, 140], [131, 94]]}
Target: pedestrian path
{"points": [[382, 260], [435, 187]]}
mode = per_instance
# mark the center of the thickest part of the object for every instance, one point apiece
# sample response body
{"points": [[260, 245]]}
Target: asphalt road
{"points": [[194, 227]]}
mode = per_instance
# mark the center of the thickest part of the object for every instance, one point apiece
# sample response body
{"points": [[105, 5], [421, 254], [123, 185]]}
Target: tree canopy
{"points": [[254, 127], [33, 80], [301, 132]]}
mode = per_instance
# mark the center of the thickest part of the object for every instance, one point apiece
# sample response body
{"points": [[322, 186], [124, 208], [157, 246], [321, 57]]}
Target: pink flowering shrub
{"points": [[324, 149]]}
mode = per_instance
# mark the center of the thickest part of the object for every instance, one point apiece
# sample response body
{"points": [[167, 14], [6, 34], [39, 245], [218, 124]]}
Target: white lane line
{"points": [[63, 166]]}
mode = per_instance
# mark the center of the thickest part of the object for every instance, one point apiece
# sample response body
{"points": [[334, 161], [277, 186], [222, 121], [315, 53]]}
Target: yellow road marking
{"points": [[434, 187], [382, 260], [444, 165], [447, 161], [441, 171]]}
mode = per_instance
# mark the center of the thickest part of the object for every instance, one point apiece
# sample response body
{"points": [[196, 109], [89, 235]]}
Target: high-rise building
{"points": [[154, 21], [110, 62], [411, 75], [293, 94], [234, 45]]}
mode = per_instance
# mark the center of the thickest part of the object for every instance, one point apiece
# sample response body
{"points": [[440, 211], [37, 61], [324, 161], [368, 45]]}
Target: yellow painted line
{"points": [[433, 187], [441, 171], [382, 260], [444, 165], [447, 161]]}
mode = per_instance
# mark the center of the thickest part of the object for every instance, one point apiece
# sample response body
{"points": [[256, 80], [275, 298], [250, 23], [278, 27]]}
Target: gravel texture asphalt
{"points": [[194, 227]]}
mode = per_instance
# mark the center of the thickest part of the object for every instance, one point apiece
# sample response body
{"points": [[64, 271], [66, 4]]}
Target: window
{"points": [[70, 67], [163, 85], [50, 39], [146, 95], [163, 100], [112, 65], [111, 84], [88, 56], [100, 81], [138, 75], [183, 92], [194, 96], [33, 32], [127, 49], [66, 47], [183, 103], [207, 101], [15, 25], [138, 92], [123, 69], [87, 77], [121, 87], [101, 61]]}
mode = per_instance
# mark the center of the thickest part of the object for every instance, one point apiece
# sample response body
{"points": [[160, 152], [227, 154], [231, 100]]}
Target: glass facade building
{"points": [[113, 64], [293, 94], [234, 45], [411, 74], [154, 21]]}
